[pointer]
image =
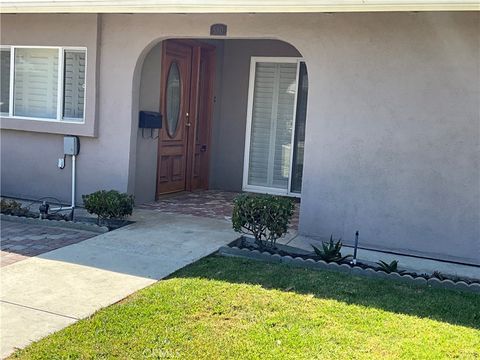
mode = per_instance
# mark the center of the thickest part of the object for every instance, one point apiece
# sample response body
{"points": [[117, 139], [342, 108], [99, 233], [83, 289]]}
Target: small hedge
{"points": [[109, 204], [12, 207], [266, 217]]}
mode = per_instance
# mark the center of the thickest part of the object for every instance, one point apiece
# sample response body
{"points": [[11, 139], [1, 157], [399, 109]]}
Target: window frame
{"points": [[61, 82], [248, 131]]}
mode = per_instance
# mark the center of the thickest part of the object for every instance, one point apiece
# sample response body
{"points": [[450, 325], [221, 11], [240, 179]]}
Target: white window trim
{"points": [[61, 80], [248, 130], [7, 114]]}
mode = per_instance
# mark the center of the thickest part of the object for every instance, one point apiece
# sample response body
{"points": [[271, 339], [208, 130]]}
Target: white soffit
{"points": [[232, 6]]}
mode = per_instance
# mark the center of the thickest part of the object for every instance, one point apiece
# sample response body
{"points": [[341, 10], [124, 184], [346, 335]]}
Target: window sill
{"points": [[271, 191], [21, 118], [85, 128]]}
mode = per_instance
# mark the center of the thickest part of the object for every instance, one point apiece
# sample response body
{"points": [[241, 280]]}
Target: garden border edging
{"points": [[56, 223], [345, 268]]}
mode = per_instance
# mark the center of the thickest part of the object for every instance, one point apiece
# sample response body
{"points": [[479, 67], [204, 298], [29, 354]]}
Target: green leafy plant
{"points": [[389, 267], [331, 251], [12, 207], [109, 204], [438, 275], [266, 217]]}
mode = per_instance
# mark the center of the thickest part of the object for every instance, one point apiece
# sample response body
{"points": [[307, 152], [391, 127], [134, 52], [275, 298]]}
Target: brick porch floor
{"points": [[209, 203], [20, 241]]}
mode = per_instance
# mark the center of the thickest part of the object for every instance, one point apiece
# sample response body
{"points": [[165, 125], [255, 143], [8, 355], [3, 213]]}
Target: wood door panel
{"points": [[172, 173], [172, 150], [196, 166], [163, 173], [178, 168]]}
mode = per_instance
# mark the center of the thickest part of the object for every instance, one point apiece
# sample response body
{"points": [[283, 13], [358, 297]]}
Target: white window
{"points": [[4, 80], [272, 146], [43, 83]]}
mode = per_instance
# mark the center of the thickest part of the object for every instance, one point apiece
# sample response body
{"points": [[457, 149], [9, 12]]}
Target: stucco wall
{"points": [[81, 30], [29, 158], [393, 133], [393, 128], [147, 148]]}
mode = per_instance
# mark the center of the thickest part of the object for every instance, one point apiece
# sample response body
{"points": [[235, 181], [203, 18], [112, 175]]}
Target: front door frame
{"points": [[200, 50]]}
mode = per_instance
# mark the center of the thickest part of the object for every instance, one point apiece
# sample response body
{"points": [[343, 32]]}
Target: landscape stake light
{"points": [[354, 260]]}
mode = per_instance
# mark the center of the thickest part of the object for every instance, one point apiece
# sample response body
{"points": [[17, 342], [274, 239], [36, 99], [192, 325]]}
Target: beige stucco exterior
{"points": [[393, 124], [77, 30]]}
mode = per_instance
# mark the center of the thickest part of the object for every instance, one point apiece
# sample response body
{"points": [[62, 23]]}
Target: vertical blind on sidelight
{"points": [[74, 84], [271, 125], [5, 80]]}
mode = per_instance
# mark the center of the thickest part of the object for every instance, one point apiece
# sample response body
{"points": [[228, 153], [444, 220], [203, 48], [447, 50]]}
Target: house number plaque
{"points": [[218, 30]]}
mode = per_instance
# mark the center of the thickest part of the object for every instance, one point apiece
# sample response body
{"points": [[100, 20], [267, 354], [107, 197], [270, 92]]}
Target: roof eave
{"points": [[57, 7]]}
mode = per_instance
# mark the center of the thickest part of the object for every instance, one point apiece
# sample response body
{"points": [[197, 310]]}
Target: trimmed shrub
{"points": [[12, 207], [109, 204], [266, 217]]}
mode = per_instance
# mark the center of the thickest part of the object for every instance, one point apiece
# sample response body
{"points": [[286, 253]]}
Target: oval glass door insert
{"points": [[172, 99]]}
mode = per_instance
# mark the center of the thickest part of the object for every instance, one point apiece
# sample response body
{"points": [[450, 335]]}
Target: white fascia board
{"points": [[230, 6]]}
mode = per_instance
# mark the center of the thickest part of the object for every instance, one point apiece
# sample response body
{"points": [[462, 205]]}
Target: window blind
{"points": [[4, 80], [36, 82], [74, 84], [271, 127]]}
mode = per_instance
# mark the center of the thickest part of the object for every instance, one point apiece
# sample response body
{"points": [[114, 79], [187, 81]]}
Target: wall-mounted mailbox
{"points": [[150, 120]]}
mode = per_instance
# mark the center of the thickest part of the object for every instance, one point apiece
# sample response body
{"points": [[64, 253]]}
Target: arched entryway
{"points": [[213, 96]]}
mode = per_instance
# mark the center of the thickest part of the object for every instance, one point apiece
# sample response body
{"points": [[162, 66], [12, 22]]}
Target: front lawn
{"points": [[226, 308]]}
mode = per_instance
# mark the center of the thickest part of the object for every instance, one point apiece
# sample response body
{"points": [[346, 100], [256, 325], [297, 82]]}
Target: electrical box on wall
{"points": [[71, 145], [150, 120]]}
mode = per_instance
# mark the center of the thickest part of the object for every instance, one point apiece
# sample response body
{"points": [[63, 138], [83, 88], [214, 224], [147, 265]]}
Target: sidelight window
{"points": [[275, 126]]}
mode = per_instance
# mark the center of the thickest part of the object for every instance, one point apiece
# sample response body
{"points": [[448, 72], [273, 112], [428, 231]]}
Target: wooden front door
{"points": [[186, 104], [175, 105]]}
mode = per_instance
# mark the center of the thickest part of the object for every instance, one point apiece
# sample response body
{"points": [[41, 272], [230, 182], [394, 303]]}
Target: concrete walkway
{"points": [[44, 294]]}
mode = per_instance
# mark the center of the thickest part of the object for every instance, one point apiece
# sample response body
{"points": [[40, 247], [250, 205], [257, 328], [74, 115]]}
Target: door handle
{"points": [[203, 148]]}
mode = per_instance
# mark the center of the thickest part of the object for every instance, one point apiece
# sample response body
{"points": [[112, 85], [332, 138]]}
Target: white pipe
{"points": [[73, 181], [72, 206]]}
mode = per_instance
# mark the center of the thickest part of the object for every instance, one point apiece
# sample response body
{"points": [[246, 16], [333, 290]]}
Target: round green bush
{"points": [[266, 217], [109, 204]]}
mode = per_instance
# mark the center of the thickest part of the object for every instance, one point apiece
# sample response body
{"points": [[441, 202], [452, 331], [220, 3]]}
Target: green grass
{"points": [[226, 308]]}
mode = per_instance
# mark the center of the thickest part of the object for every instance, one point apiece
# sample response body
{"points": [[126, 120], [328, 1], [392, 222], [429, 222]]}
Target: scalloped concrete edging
{"points": [[56, 223], [355, 270]]}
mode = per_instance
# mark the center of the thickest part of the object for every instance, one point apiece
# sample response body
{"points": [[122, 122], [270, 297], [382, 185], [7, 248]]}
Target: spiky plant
{"points": [[389, 267], [331, 251]]}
